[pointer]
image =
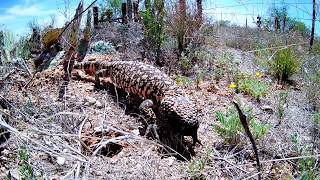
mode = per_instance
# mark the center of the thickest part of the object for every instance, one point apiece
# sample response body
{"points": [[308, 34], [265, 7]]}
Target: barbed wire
{"points": [[248, 4], [251, 14]]}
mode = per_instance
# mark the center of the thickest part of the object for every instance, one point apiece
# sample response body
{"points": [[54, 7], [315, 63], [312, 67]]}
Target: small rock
{"points": [[61, 160], [171, 160], [90, 100], [135, 131], [108, 108], [89, 88], [267, 108], [99, 105], [14, 173], [98, 129]]}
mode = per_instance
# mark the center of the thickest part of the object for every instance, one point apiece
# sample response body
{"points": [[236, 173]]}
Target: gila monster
{"points": [[169, 102]]}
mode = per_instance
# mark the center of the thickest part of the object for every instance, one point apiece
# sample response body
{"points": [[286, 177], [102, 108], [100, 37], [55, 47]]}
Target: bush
{"points": [[308, 168], [183, 80], [153, 21], [23, 48], [230, 127], [283, 96], [316, 47], [317, 118], [25, 169], [284, 64], [253, 87], [102, 47]]}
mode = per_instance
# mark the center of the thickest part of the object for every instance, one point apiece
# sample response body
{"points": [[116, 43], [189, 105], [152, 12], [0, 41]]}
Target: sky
{"points": [[16, 14]]}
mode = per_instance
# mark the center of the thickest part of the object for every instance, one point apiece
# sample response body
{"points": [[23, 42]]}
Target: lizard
{"points": [[159, 91]]}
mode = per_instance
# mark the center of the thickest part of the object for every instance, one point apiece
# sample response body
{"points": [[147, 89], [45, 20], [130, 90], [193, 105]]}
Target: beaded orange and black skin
{"points": [[148, 82]]}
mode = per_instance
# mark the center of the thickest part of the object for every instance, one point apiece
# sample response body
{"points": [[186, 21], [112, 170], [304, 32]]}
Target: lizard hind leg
{"points": [[146, 109], [98, 74]]}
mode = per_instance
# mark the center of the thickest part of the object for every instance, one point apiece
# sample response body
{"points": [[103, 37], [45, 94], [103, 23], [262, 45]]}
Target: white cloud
{"points": [[5, 18], [33, 10]]}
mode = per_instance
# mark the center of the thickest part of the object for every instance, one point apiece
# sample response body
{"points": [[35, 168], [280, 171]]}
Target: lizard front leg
{"points": [[146, 109], [98, 74]]}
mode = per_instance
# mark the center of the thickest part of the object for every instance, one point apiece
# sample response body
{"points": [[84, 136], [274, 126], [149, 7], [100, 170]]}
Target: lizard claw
{"points": [[195, 139]]}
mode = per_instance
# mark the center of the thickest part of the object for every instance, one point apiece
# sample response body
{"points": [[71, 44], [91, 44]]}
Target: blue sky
{"points": [[15, 14]]}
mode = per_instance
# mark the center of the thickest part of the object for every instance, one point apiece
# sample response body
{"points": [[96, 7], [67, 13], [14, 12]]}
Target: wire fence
{"points": [[245, 12]]}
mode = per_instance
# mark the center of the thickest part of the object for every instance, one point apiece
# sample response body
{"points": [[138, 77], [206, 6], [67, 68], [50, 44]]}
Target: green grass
{"points": [[253, 87], [196, 167], [230, 127], [307, 166], [283, 97], [316, 118], [25, 169], [284, 64], [183, 80]]}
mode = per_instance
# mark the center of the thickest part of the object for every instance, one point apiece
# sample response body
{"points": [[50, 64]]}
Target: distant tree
{"points": [[182, 18], [276, 18], [297, 26]]}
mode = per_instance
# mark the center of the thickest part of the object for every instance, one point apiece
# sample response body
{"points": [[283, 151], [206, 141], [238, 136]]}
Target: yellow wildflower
{"points": [[259, 74], [232, 86]]}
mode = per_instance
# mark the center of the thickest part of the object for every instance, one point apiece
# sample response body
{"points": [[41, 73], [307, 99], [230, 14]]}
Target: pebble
{"points": [[61, 160], [171, 160], [90, 100], [99, 105], [135, 131], [267, 108]]}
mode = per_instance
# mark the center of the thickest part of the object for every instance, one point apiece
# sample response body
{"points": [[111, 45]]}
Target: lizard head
{"points": [[182, 114], [89, 67]]}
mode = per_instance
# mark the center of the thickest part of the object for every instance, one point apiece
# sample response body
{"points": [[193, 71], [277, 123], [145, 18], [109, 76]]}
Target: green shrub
{"points": [[7, 45], [284, 64], [185, 62], [25, 169], [183, 80], [153, 20], [283, 96], [316, 118], [230, 127], [307, 166], [316, 47], [253, 87], [23, 48], [196, 167]]}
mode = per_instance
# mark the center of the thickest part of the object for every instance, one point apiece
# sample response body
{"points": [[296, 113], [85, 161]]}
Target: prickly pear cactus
{"points": [[8, 45], [102, 47]]}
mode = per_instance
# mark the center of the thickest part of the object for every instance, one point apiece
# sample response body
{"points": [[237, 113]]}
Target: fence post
{"points": [[259, 21], [246, 22], [313, 24], [129, 10], [136, 10], [284, 24], [95, 17], [276, 24], [124, 13]]}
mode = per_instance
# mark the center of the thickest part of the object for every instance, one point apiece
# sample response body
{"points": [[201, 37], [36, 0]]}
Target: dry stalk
{"points": [[113, 140], [43, 148], [244, 122]]}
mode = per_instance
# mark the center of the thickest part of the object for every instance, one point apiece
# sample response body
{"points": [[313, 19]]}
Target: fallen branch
{"points": [[243, 119], [113, 140]]}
